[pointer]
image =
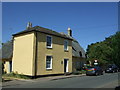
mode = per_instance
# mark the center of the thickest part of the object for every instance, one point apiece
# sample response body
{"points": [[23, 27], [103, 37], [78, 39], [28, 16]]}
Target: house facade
{"points": [[78, 56], [78, 53], [41, 51], [6, 56]]}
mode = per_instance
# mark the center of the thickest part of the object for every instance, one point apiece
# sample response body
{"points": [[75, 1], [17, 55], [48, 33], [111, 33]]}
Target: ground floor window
{"points": [[48, 62]]}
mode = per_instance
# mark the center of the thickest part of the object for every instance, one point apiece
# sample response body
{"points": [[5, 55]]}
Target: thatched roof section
{"points": [[7, 50]]}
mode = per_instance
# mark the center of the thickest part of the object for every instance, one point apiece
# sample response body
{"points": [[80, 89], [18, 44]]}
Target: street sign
{"points": [[95, 63]]}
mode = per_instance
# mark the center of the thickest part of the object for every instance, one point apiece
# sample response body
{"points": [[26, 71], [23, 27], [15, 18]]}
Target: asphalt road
{"points": [[109, 80]]}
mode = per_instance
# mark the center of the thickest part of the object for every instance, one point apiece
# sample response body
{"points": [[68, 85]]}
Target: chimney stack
{"points": [[29, 25], [69, 32]]}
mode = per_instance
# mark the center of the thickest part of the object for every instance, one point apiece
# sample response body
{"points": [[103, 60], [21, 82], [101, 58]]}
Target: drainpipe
{"points": [[35, 56]]}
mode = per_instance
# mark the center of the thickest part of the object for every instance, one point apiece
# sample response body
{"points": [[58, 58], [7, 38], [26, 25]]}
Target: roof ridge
{"points": [[43, 30]]}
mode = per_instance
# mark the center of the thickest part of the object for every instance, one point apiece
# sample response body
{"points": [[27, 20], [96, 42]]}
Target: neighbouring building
{"points": [[6, 56], [78, 53], [41, 51]]}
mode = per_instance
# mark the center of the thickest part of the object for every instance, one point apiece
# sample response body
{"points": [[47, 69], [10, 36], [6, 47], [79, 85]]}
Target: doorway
{"points": [[65, 65], [10, 66]]}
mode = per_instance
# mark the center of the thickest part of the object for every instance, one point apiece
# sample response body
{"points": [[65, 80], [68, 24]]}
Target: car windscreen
{"points": [[90, 67]]}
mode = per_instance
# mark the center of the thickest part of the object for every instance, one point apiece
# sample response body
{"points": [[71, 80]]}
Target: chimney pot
{"points": [[69, 32], [29, 25]]}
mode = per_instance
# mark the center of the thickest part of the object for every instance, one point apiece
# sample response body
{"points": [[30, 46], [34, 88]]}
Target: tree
{"points": [[107, 51], [116, 48]]}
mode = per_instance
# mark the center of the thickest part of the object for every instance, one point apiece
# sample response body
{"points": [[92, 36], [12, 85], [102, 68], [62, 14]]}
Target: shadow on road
{"points": [[117, 88], [6, 80]]}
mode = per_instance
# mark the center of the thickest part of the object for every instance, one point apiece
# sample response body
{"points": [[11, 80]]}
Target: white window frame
{"points": [[50, 63], [65, 46], [46, 41]]}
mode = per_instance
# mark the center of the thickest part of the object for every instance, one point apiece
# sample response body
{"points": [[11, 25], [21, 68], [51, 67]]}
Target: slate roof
{"points": [[76, 48], [43, 30], [7, 50]]}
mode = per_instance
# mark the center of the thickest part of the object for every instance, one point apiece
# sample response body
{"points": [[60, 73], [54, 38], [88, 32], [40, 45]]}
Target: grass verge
{"points": [[79, 72], [13, 75]]}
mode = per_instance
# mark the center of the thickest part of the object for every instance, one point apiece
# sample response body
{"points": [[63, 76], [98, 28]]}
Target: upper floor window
{"points": [[49, 42], [65, 45]]}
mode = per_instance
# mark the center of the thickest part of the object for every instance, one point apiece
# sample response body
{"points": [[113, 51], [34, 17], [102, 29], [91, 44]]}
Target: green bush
{"points": [[21, 76], [76, 72], [83, 71], [16, 75]]}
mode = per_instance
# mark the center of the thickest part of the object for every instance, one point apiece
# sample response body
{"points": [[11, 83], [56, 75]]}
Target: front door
{"points": [[10, 66], [65, 65]]}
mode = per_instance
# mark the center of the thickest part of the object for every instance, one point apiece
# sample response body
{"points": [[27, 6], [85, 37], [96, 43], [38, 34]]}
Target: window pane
{"points": [[48, 62], [65, 45], [49, 41]]}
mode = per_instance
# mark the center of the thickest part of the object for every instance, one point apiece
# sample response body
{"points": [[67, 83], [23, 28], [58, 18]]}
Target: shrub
{"points": [[16, 75], [76, 72], [83, 71]]}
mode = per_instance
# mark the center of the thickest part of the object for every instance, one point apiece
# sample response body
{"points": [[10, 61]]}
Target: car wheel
{"points": [[117, 70], [113, 71], [96, 74], [102, 73]]}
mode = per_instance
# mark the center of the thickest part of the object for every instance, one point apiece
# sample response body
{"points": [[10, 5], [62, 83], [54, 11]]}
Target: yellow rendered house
{"points": [[41, 51]]}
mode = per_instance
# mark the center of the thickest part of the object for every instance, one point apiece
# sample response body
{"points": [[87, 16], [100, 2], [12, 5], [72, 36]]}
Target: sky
{"points": [[90, 22]]}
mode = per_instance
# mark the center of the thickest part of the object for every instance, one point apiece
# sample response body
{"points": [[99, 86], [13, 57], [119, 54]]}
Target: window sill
{"points": [[49, 47], [66, 51], [48, 69]]}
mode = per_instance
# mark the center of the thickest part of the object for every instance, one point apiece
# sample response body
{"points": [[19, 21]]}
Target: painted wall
{"points": [[77, 63], [23, 54], [57, 52], [6, 67], [26, 50]]}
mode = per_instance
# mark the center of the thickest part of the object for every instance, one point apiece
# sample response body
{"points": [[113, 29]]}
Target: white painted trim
{"points": [[67, 65]]}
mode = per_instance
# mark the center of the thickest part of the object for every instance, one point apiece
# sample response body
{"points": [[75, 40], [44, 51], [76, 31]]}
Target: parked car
{"points": [[95, 70], [118, 69], [111, 68]]}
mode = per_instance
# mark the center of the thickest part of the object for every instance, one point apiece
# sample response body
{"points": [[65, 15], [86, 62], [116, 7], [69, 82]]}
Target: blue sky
{"points": [[90, 21]]}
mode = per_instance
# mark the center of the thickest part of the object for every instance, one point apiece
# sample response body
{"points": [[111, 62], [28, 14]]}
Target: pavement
{"points": [[12, 82]]}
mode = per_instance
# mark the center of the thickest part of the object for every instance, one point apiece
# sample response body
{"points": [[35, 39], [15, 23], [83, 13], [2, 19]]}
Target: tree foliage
{"points": [[107, 51]]}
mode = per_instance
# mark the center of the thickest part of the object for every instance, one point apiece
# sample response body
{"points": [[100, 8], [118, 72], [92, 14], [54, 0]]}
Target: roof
{"points": [[43, 30], [76, 48], [7, 50]]}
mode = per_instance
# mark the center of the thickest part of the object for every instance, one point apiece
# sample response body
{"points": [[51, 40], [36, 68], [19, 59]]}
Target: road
{"points": [[109, 80]]}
